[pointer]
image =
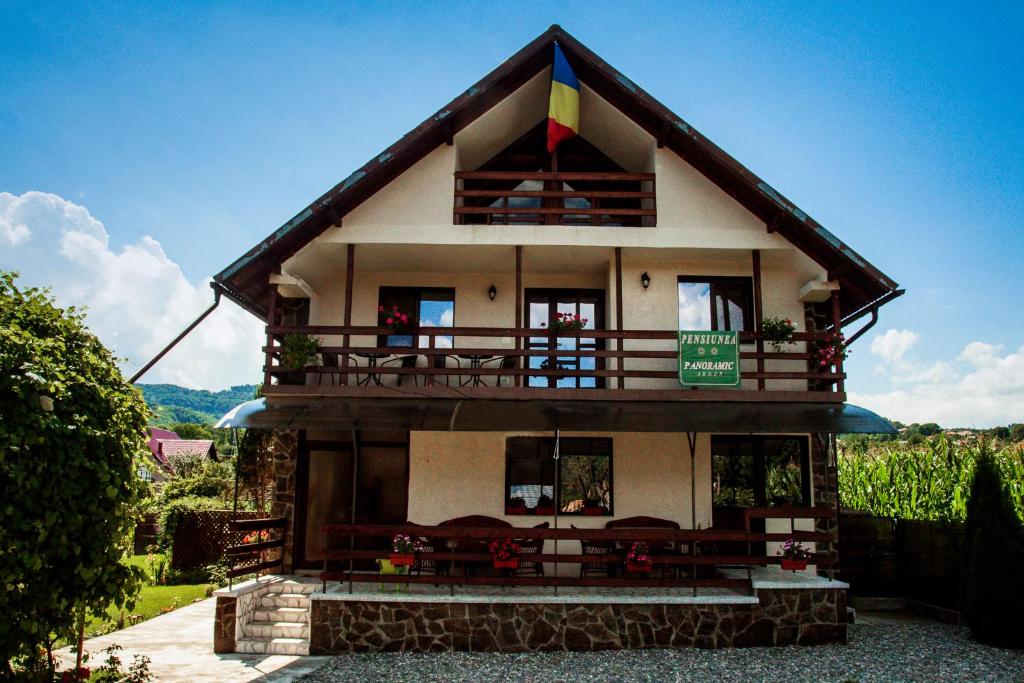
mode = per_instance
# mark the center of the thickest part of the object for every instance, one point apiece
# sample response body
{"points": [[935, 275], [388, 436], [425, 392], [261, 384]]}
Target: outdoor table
{"points": [[371, 362], [475, 361]]}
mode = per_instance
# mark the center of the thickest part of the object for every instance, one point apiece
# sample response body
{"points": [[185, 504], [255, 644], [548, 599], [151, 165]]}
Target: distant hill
{"points": [[173, 404]]}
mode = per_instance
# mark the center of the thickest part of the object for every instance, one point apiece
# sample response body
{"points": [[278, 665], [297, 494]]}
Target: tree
{"points": [[71, 436], [191, 430], [991, 581], [1017, 432]]}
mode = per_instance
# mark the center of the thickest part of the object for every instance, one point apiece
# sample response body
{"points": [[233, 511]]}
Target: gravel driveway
{"points": [[878, 651]]}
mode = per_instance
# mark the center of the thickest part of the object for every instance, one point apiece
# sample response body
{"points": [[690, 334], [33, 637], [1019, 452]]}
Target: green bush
{"points": [[72, 434], [174, 510], [199, 478], [992, 560]]}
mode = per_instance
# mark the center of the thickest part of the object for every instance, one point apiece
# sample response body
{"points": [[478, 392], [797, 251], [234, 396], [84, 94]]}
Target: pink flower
{"points": [[380, 309], [390, 321]]}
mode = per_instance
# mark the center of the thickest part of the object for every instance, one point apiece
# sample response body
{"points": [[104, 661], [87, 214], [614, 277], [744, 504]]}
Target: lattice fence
{"points": [[201, 537]]}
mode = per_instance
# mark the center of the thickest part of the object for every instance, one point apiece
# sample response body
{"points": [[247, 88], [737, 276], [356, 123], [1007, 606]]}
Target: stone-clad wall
{"points": [[782, 617], [285, 447]]}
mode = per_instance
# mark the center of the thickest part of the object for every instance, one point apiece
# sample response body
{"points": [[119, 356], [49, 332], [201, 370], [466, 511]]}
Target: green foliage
{"points": [[777, 331], [71, 437], [196, 405], [298, 350], [992, 583], [255, 464], [928, 481], [198, 477]]}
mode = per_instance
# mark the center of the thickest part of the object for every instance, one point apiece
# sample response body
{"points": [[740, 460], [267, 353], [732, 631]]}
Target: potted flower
{"points": [[794, 555], [504, 553], [392, 317], [638, 559], [298, 351], [777, 331], [515, 506], [403, 550], [592, 507], [567, 322], [545, 506], [831, 351], [256, 537]]}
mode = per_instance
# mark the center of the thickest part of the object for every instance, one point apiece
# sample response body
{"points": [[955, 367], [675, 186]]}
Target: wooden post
{"points": [[272, 303], [758, 315], [350, 263], [519, 311], [837, 319], [620, 361]]}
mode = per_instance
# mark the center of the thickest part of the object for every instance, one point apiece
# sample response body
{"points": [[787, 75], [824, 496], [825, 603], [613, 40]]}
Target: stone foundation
{"points": [[777, 617]]}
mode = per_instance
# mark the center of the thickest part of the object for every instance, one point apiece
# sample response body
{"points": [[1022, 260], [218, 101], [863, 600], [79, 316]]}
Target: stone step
{"points": [[277, 629], [271, 615], [253, 645], [274, 600], [304, 587]]}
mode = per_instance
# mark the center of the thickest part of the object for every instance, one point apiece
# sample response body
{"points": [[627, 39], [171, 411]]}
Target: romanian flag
{"points": [[564, 106]]}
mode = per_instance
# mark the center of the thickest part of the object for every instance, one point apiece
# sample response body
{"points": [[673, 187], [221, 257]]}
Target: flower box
{"points": [[594, 511], [545, 510], [511, 563], [515, 510], [402, 559], [793, 565], [638, 567]]}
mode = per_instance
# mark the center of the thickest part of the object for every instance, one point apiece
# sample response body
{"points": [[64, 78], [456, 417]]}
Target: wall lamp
{"points": [[492, 292], [645, 280]]}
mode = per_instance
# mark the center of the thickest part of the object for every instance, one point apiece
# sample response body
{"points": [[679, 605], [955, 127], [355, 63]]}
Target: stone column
{"points": [[823, 486], [285, 446]]}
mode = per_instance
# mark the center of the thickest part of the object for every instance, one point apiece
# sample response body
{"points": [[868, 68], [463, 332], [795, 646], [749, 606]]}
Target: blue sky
{"points": [[186, 132]]}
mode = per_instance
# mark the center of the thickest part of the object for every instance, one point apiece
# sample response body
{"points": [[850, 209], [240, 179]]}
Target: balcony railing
{"points": [[490, 362], [597, 199]]}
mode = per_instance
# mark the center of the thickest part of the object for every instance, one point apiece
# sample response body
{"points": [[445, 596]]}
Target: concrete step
{"points": [[253, 645], [275, 600], [276, 629], [272, 615]]}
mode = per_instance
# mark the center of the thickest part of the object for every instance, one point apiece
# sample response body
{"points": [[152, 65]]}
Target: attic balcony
{"points": [[549, 198], [535, 363]]}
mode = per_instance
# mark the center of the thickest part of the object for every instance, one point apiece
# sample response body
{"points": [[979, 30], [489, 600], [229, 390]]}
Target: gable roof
{"points": [[246, 280], [169, 447]]}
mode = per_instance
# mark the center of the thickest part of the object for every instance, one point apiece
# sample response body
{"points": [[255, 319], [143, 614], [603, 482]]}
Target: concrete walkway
{"points": [[180, 645]]}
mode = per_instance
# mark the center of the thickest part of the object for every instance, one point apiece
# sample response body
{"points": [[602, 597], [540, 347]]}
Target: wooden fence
{"points": [[201, 537], [913, 559]]}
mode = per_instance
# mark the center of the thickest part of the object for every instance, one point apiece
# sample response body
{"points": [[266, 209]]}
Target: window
{"points": [[716, 303], [749, 471], [584, 476], [542, 307], [432, 307]]}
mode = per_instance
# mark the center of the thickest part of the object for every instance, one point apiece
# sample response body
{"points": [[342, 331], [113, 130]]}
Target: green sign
{"points": [[709, 358]]}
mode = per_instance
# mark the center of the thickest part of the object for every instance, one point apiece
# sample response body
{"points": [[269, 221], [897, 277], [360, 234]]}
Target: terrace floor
{"points": [[763, 578]]}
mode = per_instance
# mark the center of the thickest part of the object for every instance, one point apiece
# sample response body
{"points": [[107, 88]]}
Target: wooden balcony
{"points": [[544, 198], [520, 363]]}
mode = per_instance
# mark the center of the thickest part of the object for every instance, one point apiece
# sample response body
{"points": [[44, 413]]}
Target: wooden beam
{"points": [[620, 364], [758, 314], [350, 266], [268, 361], [519, 307], [837, 323]]}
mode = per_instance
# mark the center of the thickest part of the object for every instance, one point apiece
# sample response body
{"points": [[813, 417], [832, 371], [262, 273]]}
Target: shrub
{"points": [[72, 434], [991, 580]]}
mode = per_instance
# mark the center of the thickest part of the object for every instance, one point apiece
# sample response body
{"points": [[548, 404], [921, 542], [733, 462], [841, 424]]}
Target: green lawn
{"points": [[151, 600]]}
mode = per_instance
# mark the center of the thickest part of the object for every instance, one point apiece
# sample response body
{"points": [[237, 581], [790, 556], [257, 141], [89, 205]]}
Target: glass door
{"points": [[544, 308]]}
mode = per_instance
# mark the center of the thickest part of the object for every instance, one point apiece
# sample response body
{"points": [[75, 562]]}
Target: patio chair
{"points": [[596, 548], [329, 360], [471, 545], [504, 363], [531, 546], [404, 362]]}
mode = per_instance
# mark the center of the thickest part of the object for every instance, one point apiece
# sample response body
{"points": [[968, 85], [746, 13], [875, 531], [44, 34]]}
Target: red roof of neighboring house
{"points": [[156, 435], [202, 447]]}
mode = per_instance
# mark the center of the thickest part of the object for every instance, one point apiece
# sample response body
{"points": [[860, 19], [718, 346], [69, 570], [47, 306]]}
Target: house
{"points": [[164, 444], [473, 333]]}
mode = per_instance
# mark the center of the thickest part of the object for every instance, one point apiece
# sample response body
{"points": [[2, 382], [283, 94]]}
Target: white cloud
{"points": [[981, 387], [137, 298], [894, 344]]}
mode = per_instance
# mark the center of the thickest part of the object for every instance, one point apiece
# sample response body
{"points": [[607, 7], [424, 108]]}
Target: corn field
{"points": [[929, 481]]}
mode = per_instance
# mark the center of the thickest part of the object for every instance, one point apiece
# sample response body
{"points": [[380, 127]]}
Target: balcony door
{"points": [[543, 307]]}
